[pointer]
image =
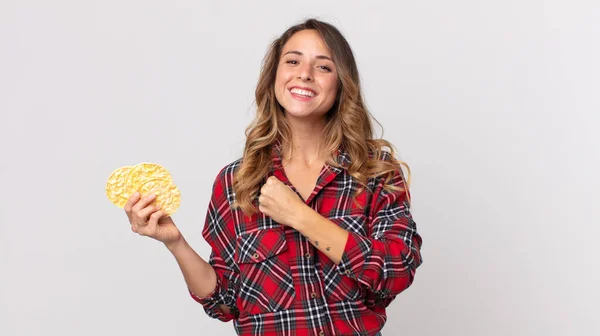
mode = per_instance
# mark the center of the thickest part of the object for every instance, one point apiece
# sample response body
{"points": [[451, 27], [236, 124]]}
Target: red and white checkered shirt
{"points": [[277, 283]]}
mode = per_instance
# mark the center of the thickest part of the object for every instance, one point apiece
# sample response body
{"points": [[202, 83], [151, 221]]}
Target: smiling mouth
{"points": [[302, 94]]}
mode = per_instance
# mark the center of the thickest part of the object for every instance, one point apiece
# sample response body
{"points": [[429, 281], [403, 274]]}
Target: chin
{"points": [[302, 110], [304, 113]]}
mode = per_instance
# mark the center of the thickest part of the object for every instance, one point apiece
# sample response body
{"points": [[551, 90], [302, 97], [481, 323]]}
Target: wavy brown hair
{"points": [[348, 124]]}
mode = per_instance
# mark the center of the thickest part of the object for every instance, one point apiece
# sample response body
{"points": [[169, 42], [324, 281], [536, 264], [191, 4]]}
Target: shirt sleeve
{"points": [[219, 233], [386, 259]]}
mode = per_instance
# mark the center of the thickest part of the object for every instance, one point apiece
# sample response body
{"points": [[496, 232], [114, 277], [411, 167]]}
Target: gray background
{"points": [[493, 104]]}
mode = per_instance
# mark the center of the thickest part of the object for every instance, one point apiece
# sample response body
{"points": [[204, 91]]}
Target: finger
{"points": [[152, 226], [265, 188], [154, 218], [131, 202], [143, 202], [142, 215]]}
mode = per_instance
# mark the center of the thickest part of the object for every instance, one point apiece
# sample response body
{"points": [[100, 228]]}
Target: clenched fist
{"points": [[280, 202]]}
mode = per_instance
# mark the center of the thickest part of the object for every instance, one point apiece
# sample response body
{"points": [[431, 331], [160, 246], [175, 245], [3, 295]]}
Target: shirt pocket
{"points": [[266, 283]]}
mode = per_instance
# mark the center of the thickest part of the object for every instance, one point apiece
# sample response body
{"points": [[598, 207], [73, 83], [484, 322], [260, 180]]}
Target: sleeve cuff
{"points": [[212, 302], [356, 252]]}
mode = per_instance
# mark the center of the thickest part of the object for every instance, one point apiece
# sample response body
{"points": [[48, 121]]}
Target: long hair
{"points": [[348, 124]]}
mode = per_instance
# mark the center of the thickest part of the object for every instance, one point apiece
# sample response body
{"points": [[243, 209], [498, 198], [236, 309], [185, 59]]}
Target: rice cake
{"points": [[145, 171], [144, 178], [117, 188], [168, 196]]}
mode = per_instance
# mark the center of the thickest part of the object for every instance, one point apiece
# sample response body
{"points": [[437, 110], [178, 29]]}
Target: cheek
{"points": [[277, 81], [282, 76], [332, 88], [279, 86]]}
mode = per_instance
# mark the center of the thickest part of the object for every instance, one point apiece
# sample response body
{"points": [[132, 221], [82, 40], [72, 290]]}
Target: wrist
{"points": [[303, 216], [176, 244]]}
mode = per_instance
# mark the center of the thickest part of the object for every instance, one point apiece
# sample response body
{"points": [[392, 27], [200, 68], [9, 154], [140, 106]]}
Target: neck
{"points": [[306, 141]]}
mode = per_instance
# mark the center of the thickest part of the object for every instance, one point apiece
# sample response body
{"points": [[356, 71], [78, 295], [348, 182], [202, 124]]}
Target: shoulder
{"points": [[385, 162], [223, 181], [227, 171], [383, 155], [389, 170], [345, 158]]}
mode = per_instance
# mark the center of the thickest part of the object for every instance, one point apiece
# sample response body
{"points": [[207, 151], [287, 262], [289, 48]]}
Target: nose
{"points": [[305, 73]]}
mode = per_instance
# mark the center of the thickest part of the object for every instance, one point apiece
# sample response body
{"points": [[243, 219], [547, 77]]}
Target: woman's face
{"points": [[306, 83]]}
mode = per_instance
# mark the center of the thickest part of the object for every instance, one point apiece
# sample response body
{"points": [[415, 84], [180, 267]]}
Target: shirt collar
{"points": [[327, 175]]}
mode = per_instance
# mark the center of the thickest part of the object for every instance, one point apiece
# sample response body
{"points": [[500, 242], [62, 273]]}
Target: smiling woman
{"points": [[311, 230]]}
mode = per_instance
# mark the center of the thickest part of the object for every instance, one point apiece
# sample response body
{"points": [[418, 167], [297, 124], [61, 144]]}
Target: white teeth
{"points": [[302, 92]]}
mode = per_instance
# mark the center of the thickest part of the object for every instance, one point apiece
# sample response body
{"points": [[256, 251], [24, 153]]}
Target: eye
{"points": [[292, 62], [324, 67]]}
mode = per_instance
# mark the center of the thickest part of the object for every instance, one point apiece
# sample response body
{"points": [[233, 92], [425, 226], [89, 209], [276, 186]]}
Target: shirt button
{"points": [[313, 295], [255, 256], [307, 255], [348, 272], [321, 333]]}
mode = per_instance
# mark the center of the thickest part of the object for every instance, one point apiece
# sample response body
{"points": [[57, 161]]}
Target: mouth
{"points": [[302, 93]]}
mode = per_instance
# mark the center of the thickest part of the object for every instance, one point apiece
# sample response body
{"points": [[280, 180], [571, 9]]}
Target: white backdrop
{"points": [[493, 104]]}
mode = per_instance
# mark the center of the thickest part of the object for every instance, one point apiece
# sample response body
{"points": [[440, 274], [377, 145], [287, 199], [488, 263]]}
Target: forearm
{"points": [[386, 266], [199, 275], [325, 235]]}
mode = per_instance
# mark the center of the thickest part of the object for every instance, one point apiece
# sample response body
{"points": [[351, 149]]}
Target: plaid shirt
{"points": [[277, 283]]}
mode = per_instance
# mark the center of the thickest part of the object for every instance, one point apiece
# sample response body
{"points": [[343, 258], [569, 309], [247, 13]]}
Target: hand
{"points": [[280, 202], [147, 220]]}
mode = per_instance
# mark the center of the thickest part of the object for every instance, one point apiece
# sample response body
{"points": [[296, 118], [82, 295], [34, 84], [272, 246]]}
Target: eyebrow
{"points": [[296, 52]]}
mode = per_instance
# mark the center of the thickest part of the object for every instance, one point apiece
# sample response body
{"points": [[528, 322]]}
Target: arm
{"points": [[325, 235], [218, 298], [386, 259], [200, 277]]}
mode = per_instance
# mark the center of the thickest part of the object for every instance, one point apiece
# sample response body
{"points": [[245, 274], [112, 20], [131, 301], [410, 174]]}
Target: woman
{"points": [[310, 230]]}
